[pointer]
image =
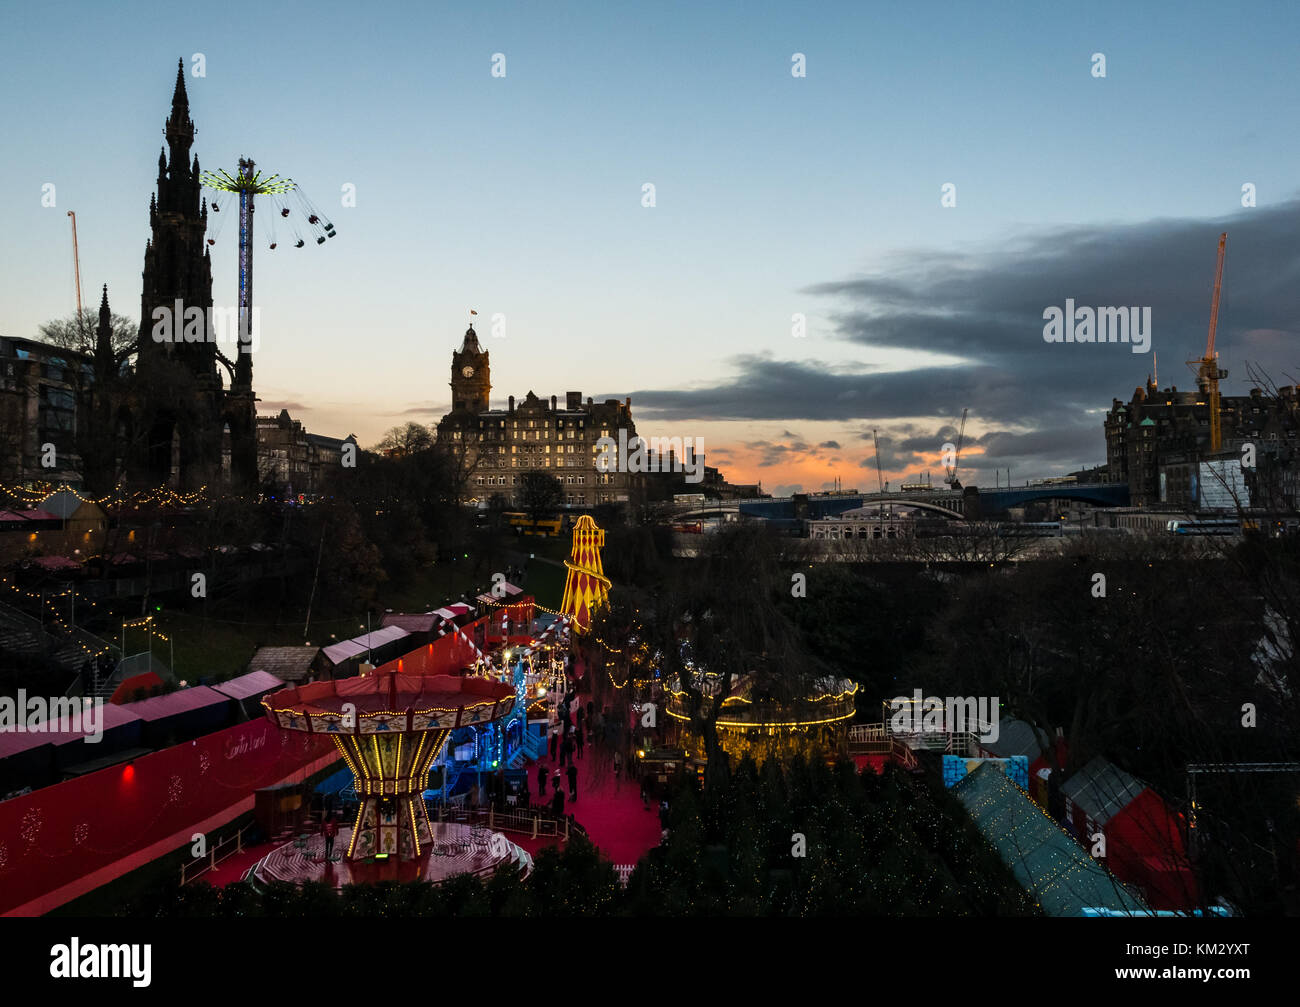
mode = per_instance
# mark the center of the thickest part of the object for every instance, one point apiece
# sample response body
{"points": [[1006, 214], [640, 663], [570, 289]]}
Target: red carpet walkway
{"points": [[610, 810]]}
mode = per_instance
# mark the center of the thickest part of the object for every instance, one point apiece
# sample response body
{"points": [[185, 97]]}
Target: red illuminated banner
{"points": [[61, 841]]}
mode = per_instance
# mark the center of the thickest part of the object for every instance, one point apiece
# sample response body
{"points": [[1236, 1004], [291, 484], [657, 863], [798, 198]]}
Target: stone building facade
{"points": [[1156, 438], [497, 448], [292, 460]]}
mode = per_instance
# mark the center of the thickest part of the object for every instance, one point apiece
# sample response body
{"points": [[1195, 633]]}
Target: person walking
{"points": [[618, 764], [541, 780], [573, 783], [329, 828], [556, 783], [568, 751], [577, 737], [579, 718], [555, 744], [645, 795], [557, 802], [663, 814]]}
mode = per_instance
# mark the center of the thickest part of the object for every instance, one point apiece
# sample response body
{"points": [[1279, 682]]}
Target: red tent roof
{"points": [[181, 701], [13, 742], [253, 684]]}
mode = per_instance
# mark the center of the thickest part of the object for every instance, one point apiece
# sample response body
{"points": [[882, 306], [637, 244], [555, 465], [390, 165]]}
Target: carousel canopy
{"points": [[392, 701]]}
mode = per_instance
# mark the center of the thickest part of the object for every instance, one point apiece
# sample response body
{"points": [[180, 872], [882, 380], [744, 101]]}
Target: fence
{"points": [[534, 823], [227, 847]]}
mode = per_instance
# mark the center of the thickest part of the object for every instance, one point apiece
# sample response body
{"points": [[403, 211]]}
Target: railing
{"points": [[863, 733], [951, 742], [903, 755], [963, 743], [222, 850], [870, 739], [532, 822], [534, 745], [875, 739]]}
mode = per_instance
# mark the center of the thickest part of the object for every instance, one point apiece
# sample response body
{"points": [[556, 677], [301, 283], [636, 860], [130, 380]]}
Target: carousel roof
{"points": [[749, 703], [392, 693]]}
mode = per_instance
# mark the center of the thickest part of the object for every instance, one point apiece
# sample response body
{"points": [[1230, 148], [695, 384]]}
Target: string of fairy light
{"points": [[1069, 864], [34, 497], [607, 647], [49, 600]]}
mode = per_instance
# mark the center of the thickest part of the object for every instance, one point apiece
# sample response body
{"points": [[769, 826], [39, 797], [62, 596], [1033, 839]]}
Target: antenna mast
{"points": [[76, 264]]}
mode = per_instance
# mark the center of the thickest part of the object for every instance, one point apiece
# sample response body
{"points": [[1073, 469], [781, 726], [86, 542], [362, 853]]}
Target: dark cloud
{"points": [[891, 457], [832, 445], [988, 310], [797, 450]]}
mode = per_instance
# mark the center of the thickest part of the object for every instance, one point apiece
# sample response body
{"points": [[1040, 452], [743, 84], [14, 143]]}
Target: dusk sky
{"points": [[775, 195]]}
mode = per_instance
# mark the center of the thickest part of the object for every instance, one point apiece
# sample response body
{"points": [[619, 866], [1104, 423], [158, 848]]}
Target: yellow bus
{"points": [[525, 525]]}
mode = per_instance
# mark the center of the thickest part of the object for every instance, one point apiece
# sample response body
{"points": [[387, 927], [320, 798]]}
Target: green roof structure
{"points": [[1045, 859]]}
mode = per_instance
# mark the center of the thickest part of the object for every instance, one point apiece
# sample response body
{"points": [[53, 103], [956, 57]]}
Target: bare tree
{"points": [[404, 441]]}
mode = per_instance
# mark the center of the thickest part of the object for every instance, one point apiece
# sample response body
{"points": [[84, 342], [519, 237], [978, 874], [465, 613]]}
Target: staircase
{"points": [[534, 746], [21, 633]]}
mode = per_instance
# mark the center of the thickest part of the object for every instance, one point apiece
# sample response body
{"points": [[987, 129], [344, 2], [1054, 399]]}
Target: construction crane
{"points": [[1209, 373], [880, 475], [951, 477], [76, 268]]}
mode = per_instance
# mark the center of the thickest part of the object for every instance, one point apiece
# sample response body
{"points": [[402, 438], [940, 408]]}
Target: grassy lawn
{"points": [[219, 648], [431, 587], [546, 582]]}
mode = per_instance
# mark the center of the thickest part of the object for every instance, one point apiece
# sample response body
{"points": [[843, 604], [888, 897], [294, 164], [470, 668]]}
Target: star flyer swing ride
{"points": [[248, 183], [389, 727]]}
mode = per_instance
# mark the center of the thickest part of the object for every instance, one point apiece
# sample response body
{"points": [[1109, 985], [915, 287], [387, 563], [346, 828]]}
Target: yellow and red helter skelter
{"points": [[586, 587], [389, 728]]}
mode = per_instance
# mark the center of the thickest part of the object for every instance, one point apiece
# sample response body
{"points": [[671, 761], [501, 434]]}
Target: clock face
{"points": [[467, 371]]}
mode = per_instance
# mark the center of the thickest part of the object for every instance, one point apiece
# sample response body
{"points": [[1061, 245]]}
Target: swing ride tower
{"points": [[248, 183]]}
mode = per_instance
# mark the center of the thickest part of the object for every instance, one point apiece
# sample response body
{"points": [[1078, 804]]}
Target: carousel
{"points": [[389, 728], [762, 720]]}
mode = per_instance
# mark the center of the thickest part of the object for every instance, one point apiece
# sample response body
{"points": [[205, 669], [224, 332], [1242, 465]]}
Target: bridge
{"points": [[995, 501], [970, 502]]}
